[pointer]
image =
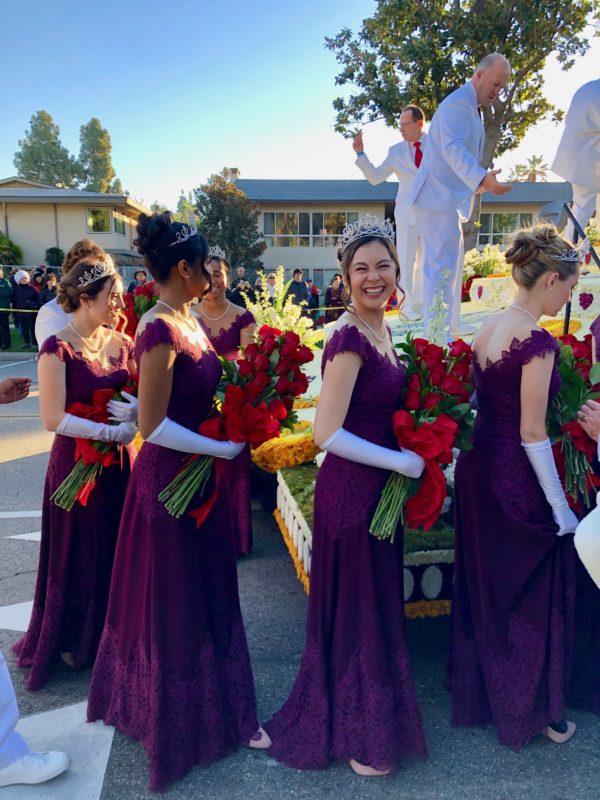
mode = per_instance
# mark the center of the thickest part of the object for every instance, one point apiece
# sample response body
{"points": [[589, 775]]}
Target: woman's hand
{"points": [[588, 417]]}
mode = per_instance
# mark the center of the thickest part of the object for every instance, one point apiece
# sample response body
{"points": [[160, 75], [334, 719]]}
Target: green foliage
{"points": [[489, 261], [96, 169], [230, 220], [10, 253], [185, 207], [42, 157], [419, 52], [54, 257], [535, 169]]}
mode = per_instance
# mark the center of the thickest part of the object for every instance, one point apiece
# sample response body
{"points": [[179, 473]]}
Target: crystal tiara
{"points": [[99, 270], [216, 252], [578, 254], [186, 231], [368, 225]]}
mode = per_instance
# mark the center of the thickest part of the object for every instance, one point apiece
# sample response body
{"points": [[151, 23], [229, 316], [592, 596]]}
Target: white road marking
{"points": [[16, 617], [19, 514], [36, 536]]}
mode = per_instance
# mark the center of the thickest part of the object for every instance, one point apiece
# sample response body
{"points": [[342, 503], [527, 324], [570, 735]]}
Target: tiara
{"points": [[578, 254], [99, 270], [186, 231], [368, 225], [216, 252]]}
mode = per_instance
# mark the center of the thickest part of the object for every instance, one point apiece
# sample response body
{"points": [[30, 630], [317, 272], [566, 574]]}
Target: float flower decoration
{"points": [[573, 449], [436, 417], [254, 401]]}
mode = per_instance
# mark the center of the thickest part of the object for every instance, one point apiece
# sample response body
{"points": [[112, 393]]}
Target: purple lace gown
{"points": [[236, 471], [584, 686], [512, 611], [78, 546], [354, 695], [173, 669]]}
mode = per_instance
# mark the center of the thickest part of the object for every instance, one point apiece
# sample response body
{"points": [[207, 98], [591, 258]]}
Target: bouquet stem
{"points": [[390, 509], [177, 496], [68, 491]]}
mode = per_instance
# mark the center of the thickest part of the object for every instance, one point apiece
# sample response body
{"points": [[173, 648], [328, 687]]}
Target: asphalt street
{"points": [[463, 763]]}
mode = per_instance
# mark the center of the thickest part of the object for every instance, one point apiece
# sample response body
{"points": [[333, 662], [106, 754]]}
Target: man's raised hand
{"points": [[357, 144]]}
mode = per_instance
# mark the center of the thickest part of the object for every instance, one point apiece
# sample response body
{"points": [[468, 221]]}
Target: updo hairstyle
{"points": [[80, 250], [535, 251], [346, 256], [69, 292], [157, 243]]}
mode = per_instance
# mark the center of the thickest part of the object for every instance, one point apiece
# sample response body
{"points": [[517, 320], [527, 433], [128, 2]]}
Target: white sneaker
{"points": [[462, 329], [35, 768]]}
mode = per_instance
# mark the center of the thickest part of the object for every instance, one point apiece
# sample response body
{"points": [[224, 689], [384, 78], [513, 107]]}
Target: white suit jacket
{"points": [[401, 160], [450, 171], [578, 156]]}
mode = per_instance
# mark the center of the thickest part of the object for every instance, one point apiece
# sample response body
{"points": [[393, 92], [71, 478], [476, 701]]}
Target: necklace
{"points": [[529, 314], [189, 321], [379, 338], [87, 342], [214, 319]]}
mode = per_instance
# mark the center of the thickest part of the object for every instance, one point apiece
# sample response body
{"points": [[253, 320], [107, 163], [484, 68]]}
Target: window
{"points": [[496, 228], [119, 223], [301, 229], [98, 220]]}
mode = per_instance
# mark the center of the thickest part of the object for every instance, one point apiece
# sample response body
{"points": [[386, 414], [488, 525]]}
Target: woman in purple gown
{"points": [[78, 546], [512, 612], [173, 669], [230, 327], [353, 698]]}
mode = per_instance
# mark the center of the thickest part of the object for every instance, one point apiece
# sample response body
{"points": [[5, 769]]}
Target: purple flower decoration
{"points": [[479, 292], [586, 299]]}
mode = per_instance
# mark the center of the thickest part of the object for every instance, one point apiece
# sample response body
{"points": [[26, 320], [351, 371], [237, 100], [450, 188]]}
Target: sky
{"points": [[186, 88]]}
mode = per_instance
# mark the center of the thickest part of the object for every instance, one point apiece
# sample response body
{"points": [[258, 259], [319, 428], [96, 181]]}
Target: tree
{"points": [[517, 173], [418, 51], [535, 169], [54, 257], [97, 171], [10, 253], [185, 207], [230, 220], [42, 157], [117, 187]]}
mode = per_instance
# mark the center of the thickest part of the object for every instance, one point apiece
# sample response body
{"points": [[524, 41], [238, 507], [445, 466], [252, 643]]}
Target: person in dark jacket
{"points": [[25, 298], [6, 291], [298, 290], [49, 291]]}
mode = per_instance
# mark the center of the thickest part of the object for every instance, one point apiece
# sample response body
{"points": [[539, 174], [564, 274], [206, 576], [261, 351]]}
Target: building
{"points": [[301, 219], [36, 216]]}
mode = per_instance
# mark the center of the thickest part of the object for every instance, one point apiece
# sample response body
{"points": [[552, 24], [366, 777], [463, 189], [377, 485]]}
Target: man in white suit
{"points": [[403, 159], [578, 156], [444, 186]]}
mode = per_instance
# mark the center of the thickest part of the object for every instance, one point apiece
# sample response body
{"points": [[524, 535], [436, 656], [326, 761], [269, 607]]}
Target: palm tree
{"points": [[517, 173], [535, 169]]}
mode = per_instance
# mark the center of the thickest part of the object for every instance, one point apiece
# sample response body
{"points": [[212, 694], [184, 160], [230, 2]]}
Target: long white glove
{"points": [[541, 459], [123, 412], [70, 425], [348, 445], [176, 437]]}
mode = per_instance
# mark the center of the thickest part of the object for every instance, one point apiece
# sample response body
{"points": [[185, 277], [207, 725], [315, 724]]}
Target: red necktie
{"points": [[418, 154]]}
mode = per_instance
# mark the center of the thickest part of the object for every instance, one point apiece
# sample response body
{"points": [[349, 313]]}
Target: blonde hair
{"points": [[346, 257], [535, 251]]}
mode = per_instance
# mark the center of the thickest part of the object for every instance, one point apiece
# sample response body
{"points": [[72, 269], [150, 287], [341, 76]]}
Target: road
{"points": [[463, 763]]}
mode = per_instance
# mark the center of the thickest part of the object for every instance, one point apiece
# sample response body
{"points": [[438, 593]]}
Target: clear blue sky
{"points": [[185, 88]]}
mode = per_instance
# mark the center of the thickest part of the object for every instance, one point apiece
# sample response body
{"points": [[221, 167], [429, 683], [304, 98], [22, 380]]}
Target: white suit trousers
{"points": [[585, 200], [410, 256], [12, 744], [442, 241]]}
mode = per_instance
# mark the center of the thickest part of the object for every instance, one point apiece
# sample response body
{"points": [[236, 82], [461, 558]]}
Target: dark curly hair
{"points": [[157, 243]]}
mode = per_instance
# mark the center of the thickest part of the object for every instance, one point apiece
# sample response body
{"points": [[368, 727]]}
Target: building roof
{"points": [[361, 191], [68, 196], [15, 182]]}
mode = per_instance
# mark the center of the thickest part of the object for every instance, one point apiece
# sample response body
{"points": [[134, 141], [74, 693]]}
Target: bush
{"points": [[490, 261], [54, 257], [10, 253]]}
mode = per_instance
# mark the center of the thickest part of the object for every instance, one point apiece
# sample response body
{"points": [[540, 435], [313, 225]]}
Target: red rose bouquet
{"points": [[256, 399], [144, 297], [90, 456], [573, 449], [436, 417]]}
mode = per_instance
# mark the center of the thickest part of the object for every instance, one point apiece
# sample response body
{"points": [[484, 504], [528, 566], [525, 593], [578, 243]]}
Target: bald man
{"points": [[444, 186]]}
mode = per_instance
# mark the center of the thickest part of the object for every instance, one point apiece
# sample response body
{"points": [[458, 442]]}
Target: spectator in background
{"points": [[6, 292], [49, 291], [238, 286], [313, 300], [38, 281], [140, 278], [25, 300], [334, 304], [298, 289], [271, 285]]}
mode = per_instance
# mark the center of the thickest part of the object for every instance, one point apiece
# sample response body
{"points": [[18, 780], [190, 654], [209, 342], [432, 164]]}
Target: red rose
{"points": [[461, 370], [252, 424], [299, 385], [250, 352], [282, 367], [304, 354], [278, 409], [266, 331], [581, 350], [425, 507], [580, 439], [257, 385], [291, 341], [431, 400], [245, 369], [420, 346], [268, 345], [433, 356], [283, 385], [412, 401], [568, 339], [214, 428], [458, 348], [414, 382], [430, 439], [437, 375], [453, 386], [262, 362], [583, 368], [288, 401]]}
